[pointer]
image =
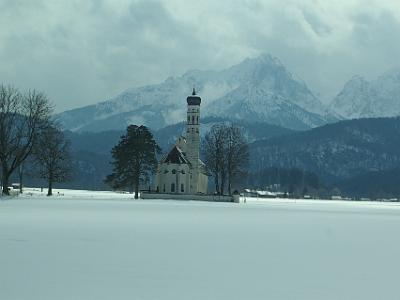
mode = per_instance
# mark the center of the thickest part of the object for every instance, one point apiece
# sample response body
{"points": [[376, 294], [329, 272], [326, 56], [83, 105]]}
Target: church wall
{"points": [[202, 186], [177, 179]]}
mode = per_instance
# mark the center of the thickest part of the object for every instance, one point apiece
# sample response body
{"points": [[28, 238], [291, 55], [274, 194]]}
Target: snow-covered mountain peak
{"points": [[262, 59], [357, 82], [357, 79], [261, 86], [360, 98]]}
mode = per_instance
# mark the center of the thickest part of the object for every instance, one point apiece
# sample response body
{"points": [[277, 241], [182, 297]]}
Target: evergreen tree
{"points": [[134, 159]]}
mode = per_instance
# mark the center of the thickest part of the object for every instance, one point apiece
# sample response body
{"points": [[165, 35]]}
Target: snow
{"points": [[261, 89], [360, 98], [104, 245]]}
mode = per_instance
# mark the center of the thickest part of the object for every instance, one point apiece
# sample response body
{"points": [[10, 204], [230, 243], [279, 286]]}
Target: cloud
{"points": [[83, 52]]}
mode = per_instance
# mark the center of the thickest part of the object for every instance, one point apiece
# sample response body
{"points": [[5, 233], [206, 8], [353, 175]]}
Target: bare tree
{"points": [[237, 155], [213, 149], [22, 116], [52, 153], [226, 155]]}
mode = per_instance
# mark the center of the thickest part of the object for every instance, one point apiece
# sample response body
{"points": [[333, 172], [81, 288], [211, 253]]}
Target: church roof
{"points": [[176, 156]]}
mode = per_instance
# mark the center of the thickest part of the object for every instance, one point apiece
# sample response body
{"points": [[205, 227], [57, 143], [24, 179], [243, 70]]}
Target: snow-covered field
{"points": [[102, 245]]}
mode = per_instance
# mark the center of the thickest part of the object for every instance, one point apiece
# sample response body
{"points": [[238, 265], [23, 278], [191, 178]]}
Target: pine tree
{"points": [[134, 159]]}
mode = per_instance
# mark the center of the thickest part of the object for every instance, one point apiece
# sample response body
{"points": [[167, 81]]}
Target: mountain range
{"points": [[361, 98], [259, 89], [335, 151]]}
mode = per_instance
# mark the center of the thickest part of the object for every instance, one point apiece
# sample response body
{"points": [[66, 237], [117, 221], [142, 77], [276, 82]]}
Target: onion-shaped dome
{"points": [[193, 99]]}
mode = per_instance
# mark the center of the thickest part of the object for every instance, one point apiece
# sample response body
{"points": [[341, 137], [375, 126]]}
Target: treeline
{"points": [[298, 183], [29, 136], [293, 181]]}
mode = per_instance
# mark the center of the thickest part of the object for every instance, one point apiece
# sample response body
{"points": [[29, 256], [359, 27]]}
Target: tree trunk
{"points": [[50, 189], [222, 185], [5, 178], [136, 190], [216, 183], [230, 183], [20, 177], [5, 185]]}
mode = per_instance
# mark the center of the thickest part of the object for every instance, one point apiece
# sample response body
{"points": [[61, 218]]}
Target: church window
{"points": [[188, 119], [164, 188], [182, 187], [192, 130], [197, 119], [192, 119], [183, 172], [173, 171], [172, 187]]}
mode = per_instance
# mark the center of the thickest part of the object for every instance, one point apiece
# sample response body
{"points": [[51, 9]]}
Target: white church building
{"points": [[181, 171]]}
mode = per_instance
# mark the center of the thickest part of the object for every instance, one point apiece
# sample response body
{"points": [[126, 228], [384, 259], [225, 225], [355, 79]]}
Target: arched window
{"points": [[173, 171], [197, 119], [164, 188], [172, 187], [192, 119], [182, 188]]}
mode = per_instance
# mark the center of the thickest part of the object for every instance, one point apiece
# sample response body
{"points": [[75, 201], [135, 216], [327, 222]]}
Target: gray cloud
{"points": [[83, 52]]}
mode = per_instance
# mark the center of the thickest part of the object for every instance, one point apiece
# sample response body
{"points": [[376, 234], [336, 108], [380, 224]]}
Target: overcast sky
{"points": [[82, 52]]}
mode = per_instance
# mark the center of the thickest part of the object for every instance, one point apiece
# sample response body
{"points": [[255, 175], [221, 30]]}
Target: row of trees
{"points": [[294, 181], [27, 130], [226, 155], [135, 157]]}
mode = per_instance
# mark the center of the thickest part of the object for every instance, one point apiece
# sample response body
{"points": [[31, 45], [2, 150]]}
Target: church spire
{"points": [[194, 92]]}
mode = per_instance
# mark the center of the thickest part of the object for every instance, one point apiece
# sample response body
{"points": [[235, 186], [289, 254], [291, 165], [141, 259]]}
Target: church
{"points": [[181, 171]]}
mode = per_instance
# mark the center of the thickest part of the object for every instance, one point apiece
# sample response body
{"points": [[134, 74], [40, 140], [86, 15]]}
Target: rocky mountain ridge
{"points": [[259, 89]]}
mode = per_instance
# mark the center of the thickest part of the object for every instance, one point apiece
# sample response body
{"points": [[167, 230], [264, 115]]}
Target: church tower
{"points": [[181, 171], [193, 138]]}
